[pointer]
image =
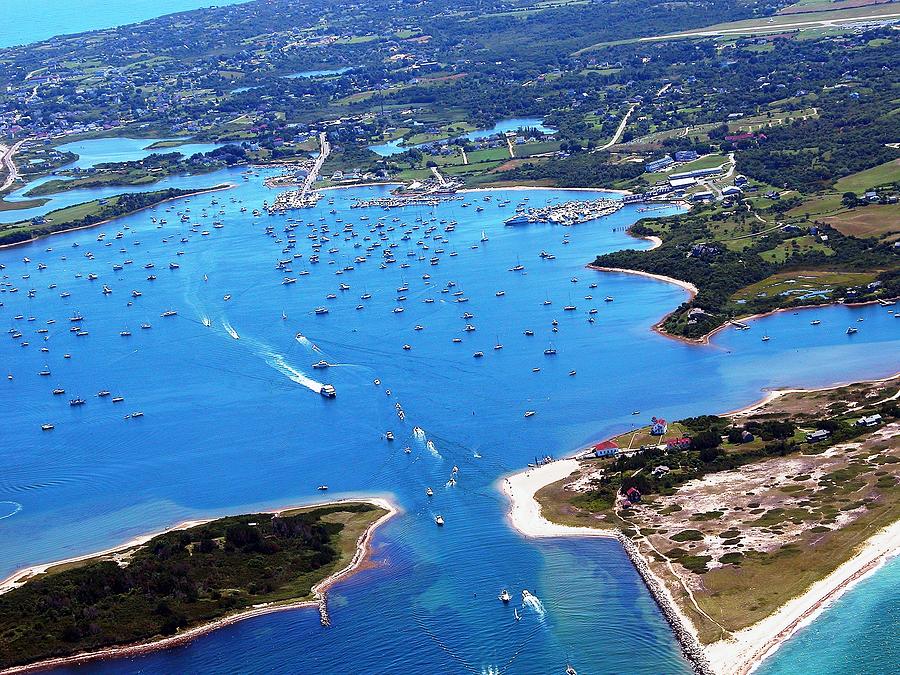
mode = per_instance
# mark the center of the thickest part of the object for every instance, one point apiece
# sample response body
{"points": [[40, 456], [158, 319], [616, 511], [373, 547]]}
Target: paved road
{"points": [[620, 130], [6, 160]]}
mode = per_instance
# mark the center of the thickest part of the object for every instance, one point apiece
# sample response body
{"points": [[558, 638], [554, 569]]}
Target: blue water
{"points": [[308, 74], [856, 636], [24, 22], [99, 151], [229, 425], [395, 148]]}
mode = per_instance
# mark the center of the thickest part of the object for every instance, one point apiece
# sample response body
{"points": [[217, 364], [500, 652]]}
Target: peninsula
{"points": [[165, 589], [744, 526]]}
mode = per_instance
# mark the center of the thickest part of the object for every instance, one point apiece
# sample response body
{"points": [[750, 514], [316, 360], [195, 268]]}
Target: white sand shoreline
{"points": [[318, 591], [746, 649]]}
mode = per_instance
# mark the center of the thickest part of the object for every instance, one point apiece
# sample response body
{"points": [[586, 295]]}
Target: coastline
{"points": [[746, 649], [319, 590], [217, 188]]}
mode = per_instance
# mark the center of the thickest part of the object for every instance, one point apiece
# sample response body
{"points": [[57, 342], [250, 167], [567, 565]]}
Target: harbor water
{"points": [[232, 421]]}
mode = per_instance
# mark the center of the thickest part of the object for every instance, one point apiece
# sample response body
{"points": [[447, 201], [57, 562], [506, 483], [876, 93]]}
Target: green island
{"points": [[179, 580], [741, 513], [90, 213]]}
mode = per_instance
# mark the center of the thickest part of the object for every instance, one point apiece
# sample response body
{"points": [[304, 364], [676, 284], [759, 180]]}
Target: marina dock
{"points": [[570, 213], [305, 197]]}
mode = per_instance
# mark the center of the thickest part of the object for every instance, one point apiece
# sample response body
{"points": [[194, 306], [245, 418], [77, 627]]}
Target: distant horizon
{"points": [[22, 23]]}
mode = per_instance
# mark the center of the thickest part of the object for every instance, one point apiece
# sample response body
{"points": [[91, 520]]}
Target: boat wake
{"points": [[491, 670], [534, 603], [16, 507], [231, 331], [303, 340], [278, 363]]}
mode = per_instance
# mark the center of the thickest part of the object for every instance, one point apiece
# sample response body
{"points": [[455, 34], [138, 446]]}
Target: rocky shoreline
{"points": [[690, 646]]}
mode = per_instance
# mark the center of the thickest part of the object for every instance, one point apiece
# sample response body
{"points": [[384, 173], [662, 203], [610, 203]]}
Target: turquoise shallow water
{"points": [[857, 635], [24, 22], [230, 426]]}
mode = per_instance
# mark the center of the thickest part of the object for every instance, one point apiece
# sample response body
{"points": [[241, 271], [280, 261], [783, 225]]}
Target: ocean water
{"points": [[232, 421], [25, 22], [503, 126], [855, 636]]}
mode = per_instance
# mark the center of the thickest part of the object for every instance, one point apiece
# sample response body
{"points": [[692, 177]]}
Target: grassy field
{"points": [[859, 182], [875, 220], [805, 281]]}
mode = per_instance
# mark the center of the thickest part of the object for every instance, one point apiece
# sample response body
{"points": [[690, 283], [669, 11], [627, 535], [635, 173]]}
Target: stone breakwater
{"points": [[691, 648]]}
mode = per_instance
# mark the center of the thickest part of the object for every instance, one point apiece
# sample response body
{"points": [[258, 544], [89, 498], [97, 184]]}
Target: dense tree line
{"points": [[177, 579]]}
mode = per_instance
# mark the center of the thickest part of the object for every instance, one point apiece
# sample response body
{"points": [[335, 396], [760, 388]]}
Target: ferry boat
{"points": [[328, 391]]}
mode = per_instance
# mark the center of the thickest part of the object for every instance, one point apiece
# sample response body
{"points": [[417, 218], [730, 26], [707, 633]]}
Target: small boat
{"points": [[851, 330], [77, 401], [322, 488], [118, 399], [389, 435], [478, 355], [571, 373], [765, 338], [169, 312], [46, 427], [529, 333], [439, 520], [504, 595], [321, 364], [146, 326], [58, 392], [429, 492], [815, 322], [328, 391], [529, 413], [321, 310], [570, 670], [103, 394]]}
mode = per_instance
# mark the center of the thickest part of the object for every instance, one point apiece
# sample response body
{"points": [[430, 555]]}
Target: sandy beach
{"points": [[745, 650], [525, 512], [318, 591]]}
